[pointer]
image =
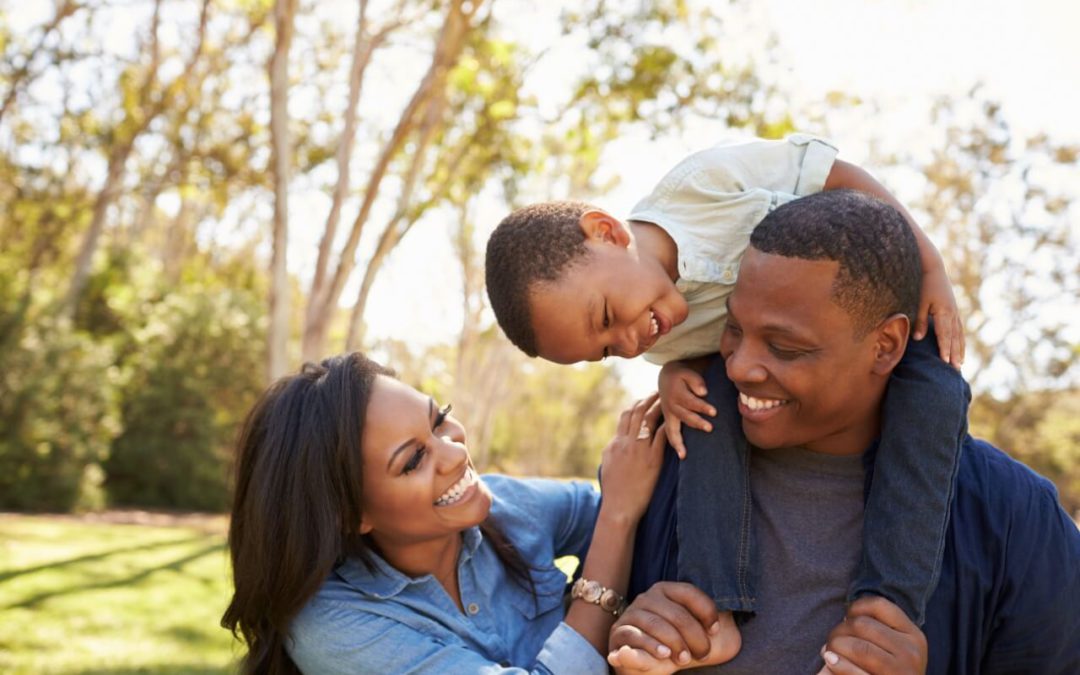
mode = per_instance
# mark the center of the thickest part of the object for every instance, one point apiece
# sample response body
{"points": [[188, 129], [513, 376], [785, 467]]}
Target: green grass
{"points": [[95, 597]]}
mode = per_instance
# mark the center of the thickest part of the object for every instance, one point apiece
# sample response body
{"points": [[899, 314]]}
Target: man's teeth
{"points": [[654, 325], [760, 403], [452, 495]]}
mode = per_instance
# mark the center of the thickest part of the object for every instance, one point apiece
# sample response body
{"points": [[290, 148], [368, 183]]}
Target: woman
{"points": [[362, 539]]}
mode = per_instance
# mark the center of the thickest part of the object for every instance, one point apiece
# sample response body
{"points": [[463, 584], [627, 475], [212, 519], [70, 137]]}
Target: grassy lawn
{"points": [[85, 596]]}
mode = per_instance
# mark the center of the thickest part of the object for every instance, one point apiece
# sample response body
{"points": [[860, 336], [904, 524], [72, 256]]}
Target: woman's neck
{"points": [[437, 557]]}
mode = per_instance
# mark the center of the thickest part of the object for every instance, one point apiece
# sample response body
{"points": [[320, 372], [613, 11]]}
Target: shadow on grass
{"points": [[133, 579], [92, 557], [163, 669]]}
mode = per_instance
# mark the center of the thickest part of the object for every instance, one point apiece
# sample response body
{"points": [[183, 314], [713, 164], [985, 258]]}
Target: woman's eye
{"points": [[414, 461]]}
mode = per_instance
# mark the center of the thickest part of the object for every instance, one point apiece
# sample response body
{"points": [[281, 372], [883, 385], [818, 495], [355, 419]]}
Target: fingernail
{"points": [[715, 628], [712, 411], [684, 657], [708, 427], [663, 652], [831, 659]]}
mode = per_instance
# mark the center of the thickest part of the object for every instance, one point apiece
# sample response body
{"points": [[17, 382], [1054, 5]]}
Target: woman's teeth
{"points": [[760, 403], [452, 495]]}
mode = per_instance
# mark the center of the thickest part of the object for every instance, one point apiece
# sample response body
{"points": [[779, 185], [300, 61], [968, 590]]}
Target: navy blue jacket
{"points": [[1008, 599]]}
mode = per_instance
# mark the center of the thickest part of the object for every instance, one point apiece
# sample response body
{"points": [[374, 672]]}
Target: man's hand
{"points": [[875, 638], [936, 299], [672, 626], [681, 391]]}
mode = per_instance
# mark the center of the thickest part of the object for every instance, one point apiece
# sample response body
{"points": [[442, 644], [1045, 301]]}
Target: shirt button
{"points": [[728, 276], [473, 608]]}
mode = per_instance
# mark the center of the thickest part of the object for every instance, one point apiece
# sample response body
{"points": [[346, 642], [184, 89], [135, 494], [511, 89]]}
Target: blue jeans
{"points": [[697, 528]]}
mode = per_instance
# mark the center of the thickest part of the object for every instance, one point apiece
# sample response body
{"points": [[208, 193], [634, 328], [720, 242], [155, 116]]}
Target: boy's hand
{"points": [[875, 637], [936, 299], [681, 388]]}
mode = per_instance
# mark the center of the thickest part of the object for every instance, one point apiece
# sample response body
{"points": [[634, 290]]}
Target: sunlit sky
{"points": [[899, 53]]}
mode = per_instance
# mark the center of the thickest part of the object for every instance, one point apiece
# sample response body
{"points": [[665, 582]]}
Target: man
{"points": [[817, 323]]}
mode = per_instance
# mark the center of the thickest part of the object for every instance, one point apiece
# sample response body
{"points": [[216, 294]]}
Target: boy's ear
{"points": [[601, 226], [890, 342]]}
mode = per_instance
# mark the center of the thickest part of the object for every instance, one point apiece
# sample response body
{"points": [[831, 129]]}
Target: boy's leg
{"points": [[924, 422], [713, 503]]}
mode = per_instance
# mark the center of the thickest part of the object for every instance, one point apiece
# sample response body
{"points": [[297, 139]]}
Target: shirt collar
{"points": [[382, 580]]}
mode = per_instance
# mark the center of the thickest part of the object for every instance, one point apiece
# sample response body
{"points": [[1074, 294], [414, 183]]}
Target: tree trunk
{"points": [[278, 333], [448, 48]]}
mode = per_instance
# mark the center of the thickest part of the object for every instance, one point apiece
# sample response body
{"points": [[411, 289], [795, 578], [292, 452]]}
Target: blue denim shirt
{"points": [[1008, 598], [382, 621]]}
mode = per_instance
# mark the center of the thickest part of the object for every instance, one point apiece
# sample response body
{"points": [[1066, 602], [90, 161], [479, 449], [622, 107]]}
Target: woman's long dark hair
{"points": [[296, 509]]}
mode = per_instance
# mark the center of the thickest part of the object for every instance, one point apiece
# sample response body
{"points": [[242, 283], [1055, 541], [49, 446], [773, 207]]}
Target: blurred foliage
{"points": [[58, 414], [193, 371], [134, 212]]}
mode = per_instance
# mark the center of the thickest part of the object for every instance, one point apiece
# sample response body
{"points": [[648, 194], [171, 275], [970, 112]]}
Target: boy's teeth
{"points": [[760, 403], [654, 325], [457, 489]]}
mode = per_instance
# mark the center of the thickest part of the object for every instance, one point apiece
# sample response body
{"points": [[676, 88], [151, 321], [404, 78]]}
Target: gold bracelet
{"points": [[597, 594]]}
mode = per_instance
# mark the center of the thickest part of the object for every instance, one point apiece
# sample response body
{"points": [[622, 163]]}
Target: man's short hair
{"points": [[880, 270], [534, 244]]}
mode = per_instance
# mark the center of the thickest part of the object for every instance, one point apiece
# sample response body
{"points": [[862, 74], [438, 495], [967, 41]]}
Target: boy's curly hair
{"points": [[534, 244]]}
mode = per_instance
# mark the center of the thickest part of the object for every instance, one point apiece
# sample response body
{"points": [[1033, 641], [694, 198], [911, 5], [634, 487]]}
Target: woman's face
{"points": [[419, 483]]}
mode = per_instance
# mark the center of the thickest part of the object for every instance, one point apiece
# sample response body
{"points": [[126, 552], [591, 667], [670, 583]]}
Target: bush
{"points": [[196, 368], [58, 413]]}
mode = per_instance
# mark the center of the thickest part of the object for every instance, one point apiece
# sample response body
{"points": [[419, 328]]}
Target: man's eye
{"points": [[785, 354]]}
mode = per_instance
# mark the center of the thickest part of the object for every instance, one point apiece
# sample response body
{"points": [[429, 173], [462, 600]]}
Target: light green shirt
{"points": [[709, 204]]}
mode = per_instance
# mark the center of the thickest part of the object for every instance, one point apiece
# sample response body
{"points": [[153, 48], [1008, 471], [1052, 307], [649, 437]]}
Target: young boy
{"points": [[569, 282]]}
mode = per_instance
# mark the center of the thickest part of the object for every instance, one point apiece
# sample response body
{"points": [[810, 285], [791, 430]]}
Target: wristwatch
{"points": [[592, 591]]}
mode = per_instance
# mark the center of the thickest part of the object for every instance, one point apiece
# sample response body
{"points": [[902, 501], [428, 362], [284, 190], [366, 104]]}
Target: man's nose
{"points": [[744, 364]]}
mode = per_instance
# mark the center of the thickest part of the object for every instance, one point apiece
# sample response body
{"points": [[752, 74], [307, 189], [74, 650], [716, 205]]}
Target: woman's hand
{"points": [[631, 461]]}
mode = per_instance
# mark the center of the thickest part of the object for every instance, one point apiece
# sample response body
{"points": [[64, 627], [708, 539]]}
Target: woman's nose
{"points": [[452, 453]]}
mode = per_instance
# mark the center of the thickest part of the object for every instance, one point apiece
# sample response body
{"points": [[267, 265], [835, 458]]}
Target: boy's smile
{"points": [[611, 304]]}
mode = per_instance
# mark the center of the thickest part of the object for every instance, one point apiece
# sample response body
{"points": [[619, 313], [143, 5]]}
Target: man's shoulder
{"points": [[993, 483]]}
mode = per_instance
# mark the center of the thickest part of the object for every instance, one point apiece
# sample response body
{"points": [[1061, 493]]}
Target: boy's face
{"points": [[614, 302], [803, 378]]}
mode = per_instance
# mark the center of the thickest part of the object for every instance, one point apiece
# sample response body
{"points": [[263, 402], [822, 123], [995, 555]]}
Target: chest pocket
{"points": [[550, 588]]}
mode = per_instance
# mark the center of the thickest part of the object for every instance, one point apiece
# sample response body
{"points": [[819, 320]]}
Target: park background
{"points": [[198, 195]]}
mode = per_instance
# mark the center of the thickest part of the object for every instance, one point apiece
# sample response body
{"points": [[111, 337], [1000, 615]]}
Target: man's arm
{"points": [[936, 296]]}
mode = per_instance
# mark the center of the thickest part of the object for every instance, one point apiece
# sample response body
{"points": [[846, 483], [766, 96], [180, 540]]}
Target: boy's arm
{"points": [[936, 295]]}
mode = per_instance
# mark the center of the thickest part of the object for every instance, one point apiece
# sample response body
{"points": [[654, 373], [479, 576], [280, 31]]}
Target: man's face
{"points": [[803, 378], [611, 303]]}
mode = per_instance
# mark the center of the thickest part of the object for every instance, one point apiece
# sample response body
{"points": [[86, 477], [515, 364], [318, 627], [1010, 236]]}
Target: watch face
{"points": [[610, 600], [591, 591]]}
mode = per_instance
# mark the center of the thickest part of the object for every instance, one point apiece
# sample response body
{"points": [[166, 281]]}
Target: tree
{"points": [[280, 159]]}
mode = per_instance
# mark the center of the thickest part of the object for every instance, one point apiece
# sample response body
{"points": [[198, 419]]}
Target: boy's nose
{"points": [[629, 346]]}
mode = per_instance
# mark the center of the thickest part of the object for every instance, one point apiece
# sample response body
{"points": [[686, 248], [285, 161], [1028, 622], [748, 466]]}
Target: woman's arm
{"points": [[631, 464]]}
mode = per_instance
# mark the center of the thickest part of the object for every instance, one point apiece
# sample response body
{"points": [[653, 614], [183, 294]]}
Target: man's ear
{"points": [[891, 337], [603, 227]]}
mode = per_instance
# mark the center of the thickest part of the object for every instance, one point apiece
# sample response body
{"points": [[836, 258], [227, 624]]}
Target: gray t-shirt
{"points": [[807, 525]]}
